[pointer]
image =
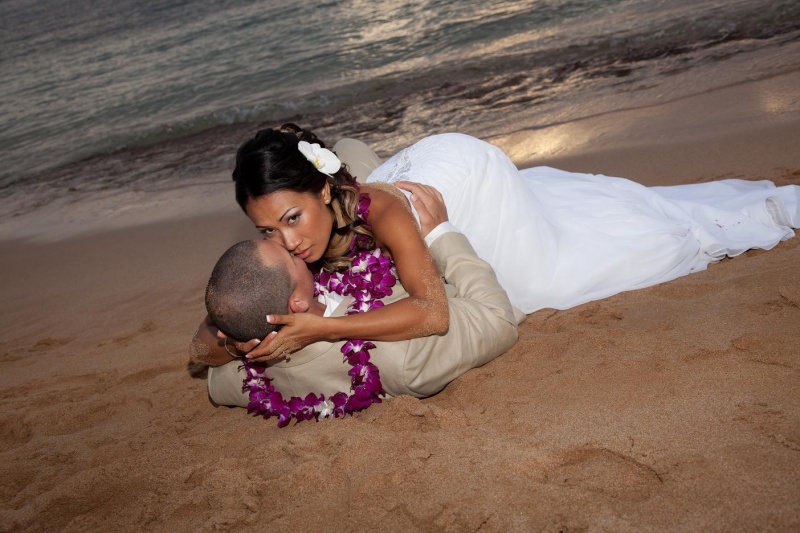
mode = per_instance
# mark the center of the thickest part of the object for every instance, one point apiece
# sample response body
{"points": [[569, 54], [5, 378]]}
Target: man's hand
{"points": [[429, 205], [239, 348], [209, 345]]}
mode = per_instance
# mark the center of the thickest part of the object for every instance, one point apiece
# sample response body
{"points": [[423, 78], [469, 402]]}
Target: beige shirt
{"points": [[482, 326]]}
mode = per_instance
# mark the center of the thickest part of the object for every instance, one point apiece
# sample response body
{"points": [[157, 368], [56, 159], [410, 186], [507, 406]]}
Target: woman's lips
{"points": [[304, 254]]}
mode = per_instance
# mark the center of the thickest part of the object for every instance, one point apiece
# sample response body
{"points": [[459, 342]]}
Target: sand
{"points": [[670, 408]]}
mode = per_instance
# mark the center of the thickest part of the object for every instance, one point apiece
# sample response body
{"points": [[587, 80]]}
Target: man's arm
{"points": [[452, 261], [207, 348], [482, 321], [473, 277]]}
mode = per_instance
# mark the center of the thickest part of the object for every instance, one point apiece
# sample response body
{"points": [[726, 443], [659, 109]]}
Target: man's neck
{"points": [[316, 308]]}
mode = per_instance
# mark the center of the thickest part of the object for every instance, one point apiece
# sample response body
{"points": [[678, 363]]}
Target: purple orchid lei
{"points": [[370, 277]]}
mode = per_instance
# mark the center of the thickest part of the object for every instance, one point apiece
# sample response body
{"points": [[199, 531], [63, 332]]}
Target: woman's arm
{"points": [[424, 312]]}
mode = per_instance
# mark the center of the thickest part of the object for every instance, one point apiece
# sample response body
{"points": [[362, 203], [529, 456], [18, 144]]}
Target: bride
{"points": [[555, 239], [558, 239]]}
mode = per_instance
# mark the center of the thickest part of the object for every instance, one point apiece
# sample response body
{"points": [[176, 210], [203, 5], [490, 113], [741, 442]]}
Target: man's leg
{"points": [[358, 157]]}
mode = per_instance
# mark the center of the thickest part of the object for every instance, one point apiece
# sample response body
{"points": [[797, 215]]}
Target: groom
{"points": [[482, 326]]}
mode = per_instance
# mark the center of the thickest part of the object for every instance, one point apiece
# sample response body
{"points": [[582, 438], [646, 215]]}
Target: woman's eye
{"points": [[267, 233], [292, 219]]}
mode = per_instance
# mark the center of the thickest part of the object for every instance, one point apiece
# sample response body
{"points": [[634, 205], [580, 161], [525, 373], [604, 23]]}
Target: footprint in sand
{"points": [[785, 302], [684, 291], [606, 472], [748, 342], [790, 296], [14, 431], [48, 343], [42, 345], [408, 413], [770, 422], [792, 175], [146, 376], [601, 314], [125, 340]]}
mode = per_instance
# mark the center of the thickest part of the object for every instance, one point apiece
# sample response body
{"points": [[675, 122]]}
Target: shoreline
{"points": [[542, 56], [638, 144], [675, 407], [715, 133]]}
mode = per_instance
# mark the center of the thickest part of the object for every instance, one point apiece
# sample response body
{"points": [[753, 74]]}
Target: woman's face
{"points": [[299, 222]]}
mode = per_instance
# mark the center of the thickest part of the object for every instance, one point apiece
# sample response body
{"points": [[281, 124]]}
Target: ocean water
{"points": [[109, 94]]}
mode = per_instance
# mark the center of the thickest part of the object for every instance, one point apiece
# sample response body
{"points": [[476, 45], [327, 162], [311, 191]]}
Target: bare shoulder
{"points": [[385, 197], [390, 216]]}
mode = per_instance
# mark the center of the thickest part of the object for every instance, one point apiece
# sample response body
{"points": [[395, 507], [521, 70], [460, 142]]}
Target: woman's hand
{"points": [[298, 331], [429, 204]]}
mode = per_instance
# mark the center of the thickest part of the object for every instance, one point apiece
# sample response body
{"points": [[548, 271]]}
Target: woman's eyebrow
{"points": [[284, 213]]}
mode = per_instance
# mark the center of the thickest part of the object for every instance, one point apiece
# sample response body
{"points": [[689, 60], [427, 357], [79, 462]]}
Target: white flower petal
{"points": [[325, 409], [323, 159], [306, 149]]}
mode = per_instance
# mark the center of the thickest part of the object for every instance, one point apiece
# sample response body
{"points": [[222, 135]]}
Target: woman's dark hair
{"points": [[271, 162]]}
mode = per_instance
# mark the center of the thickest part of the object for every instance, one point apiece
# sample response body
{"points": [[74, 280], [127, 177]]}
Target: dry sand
{"points": [[670, 408]]}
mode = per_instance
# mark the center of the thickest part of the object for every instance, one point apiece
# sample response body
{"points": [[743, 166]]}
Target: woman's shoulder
{"points": [[384, 197], [383, 192]]}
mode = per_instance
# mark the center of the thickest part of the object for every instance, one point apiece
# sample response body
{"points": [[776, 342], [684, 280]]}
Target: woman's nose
{"points": [[292, 241]]}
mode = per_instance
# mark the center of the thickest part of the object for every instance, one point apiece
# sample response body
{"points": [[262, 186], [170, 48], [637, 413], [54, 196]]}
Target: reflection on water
{"points": [[161, 98]]}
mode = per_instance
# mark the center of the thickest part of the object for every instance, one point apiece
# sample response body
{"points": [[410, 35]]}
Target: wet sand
{"points": [[670, 408]]}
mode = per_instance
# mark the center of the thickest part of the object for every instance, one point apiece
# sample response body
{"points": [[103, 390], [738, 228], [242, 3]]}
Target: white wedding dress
{"points": [[558, 239]]}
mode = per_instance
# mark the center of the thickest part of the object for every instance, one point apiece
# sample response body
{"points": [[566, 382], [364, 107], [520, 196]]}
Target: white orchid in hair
{"points": [[323, 159]]}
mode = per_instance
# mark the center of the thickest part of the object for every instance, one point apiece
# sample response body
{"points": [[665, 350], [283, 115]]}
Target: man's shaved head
{"points": [[244, 289]]}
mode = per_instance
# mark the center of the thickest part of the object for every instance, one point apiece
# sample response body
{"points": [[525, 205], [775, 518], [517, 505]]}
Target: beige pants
{"points": [[358, 157]]}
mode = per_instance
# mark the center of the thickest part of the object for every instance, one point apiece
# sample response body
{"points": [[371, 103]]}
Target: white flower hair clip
{"points": [[323, 159]]}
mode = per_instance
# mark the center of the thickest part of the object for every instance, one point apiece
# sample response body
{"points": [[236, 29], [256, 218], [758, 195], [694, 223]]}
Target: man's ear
{"points": [[298, 305]]}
